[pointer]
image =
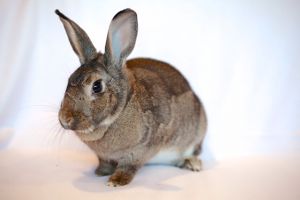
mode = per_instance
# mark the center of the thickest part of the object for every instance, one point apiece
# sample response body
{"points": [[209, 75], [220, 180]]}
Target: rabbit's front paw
{"points": [[122, 176]]}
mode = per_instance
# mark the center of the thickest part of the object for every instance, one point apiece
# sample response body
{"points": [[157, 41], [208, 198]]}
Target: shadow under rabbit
{"points": [[152, 177]]}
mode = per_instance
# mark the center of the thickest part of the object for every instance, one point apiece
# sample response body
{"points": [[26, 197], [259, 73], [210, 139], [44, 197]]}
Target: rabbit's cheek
{"points": [[112, 103], [99, 104], [103, 107]]}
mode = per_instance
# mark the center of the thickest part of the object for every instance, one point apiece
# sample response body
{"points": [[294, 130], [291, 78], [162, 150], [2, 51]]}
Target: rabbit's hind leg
{"points": [[192, 163], [190, 159]]}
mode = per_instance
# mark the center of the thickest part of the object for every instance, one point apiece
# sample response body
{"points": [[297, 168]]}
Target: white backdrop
{"points": [[241, 58]]}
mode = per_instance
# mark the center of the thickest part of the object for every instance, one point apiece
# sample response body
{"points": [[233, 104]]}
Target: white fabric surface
{"points": [[68, 175], [241, 57]]}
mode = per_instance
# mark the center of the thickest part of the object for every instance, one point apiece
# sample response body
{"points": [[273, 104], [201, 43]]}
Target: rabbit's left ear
{"points": [[79, 40], [121, 37]]}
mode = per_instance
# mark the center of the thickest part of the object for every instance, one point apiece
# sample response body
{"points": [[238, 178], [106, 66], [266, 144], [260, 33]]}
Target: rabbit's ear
{"points": [[121, 37], [79, 40]]}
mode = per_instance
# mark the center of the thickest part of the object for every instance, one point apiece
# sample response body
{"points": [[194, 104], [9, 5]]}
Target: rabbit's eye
{"points": [[97, 86]]}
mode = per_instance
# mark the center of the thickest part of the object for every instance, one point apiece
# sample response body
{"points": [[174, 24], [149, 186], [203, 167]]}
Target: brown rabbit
{"points": [[130, 112]]}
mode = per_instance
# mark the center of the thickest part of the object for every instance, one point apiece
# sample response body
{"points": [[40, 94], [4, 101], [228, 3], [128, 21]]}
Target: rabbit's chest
{"points": [[123, 135]]}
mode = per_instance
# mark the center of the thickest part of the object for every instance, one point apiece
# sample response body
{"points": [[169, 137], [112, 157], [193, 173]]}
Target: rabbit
{"points": [[130, 112]]}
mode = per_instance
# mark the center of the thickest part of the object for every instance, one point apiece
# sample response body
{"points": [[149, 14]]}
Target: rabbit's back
{"points": [[156, 84], [155, 73]]}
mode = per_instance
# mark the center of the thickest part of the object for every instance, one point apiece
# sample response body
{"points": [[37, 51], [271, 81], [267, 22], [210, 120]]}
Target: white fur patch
{"points": [[86, 131], [168, 156], [109, 120], [188, 152], [171, 156]]}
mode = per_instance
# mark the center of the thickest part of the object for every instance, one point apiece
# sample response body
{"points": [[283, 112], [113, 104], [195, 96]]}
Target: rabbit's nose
{"points": [[67, 121], [67, 124]]}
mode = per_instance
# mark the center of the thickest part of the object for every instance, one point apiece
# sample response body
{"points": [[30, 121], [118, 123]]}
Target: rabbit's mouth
{"points": [[91, 134], [86, 131]]}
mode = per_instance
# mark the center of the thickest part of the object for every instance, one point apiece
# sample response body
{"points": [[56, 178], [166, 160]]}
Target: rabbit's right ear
{"points": [[121, 37], [79, 40]]}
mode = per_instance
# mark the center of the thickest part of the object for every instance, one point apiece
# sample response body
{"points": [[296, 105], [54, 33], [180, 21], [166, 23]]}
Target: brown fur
{"points": [[146, 107], [123, 175]]}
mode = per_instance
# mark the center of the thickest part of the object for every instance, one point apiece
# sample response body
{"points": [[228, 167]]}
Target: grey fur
{"points": [[147, 107]]}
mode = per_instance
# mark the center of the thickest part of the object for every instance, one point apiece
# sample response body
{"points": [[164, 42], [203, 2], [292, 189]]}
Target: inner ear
{"points": [[121, 37]]}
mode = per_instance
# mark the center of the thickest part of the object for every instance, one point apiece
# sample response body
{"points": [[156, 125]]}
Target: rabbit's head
{"points": [[98, 90]]}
